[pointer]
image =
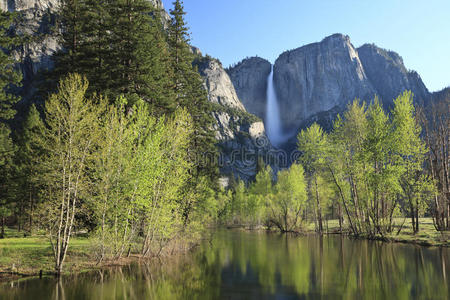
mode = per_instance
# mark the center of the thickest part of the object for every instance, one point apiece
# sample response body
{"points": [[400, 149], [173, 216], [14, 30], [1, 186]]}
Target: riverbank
{"points": [[427, 236], [22, 257], [27, 256]]}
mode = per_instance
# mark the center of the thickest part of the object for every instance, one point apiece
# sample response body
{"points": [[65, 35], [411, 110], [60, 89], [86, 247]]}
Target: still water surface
{"points": [[256, 265]]}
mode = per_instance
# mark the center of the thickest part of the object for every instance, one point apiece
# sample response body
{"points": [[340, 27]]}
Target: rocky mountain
{"points": [[241, 136], [217, 83], [249, 78], [317, 78], [38, 18], [315, 82], [388, 74]]}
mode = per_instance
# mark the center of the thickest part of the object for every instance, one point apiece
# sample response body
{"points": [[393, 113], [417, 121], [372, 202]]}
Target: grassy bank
{"points": [[30, 255], [427, 236]]}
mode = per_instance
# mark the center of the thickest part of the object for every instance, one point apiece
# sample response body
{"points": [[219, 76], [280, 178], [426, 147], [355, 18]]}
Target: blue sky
{"points": [[419, 30]]}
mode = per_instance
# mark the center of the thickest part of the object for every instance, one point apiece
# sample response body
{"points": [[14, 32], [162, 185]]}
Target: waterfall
{"points": [[273, 119]]}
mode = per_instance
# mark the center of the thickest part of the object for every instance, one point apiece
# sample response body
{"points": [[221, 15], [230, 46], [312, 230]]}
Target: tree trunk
{"points": [[319, 209], [413, 222], [2, 233], [417, 217], [30, 221]]}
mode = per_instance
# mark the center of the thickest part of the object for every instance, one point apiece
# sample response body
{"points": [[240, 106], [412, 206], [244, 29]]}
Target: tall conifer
{"points": [[190, 93]]}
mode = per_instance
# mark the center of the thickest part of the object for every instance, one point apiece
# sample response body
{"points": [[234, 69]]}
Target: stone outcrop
{"points": [[249, 78], [241, 136], [388, 74], [38, 16], [315, 82], [317, 78], [218, 84]]}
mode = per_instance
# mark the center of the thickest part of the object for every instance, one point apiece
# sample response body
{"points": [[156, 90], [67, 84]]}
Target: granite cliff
{"points": [[317, 78], [241, 136], [249, 78], [388, 74], [315, 82]]}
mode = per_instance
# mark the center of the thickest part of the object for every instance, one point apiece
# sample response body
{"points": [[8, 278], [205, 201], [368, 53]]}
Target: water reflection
{"points": [[241, 265]]}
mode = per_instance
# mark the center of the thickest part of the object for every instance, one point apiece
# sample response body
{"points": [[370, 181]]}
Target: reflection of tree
{"points": [[306, 267]]}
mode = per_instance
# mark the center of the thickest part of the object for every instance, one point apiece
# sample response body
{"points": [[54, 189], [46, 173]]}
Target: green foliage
{"points": [[312, 142], [190, 93], [120, 46], [368, 171], [123, 155], [260, 193], [410, 151], [289, 199], [9, 78], [67, 141], [375, 163], [125, 166]]}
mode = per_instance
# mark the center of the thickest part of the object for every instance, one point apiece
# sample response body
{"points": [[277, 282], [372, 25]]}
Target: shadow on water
{"points": [[258, 265]]}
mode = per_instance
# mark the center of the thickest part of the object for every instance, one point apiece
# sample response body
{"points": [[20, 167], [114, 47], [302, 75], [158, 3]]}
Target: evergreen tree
{"points": [[28, 166], [119, 46], [72, 36], [191, 94], [9, 78], [139, 58]]}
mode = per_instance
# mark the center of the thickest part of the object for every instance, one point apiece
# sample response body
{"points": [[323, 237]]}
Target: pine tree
{"points": [[72, 35], [139, 58], [9, 78], [191, 94], [119, 46], [28, 165]]}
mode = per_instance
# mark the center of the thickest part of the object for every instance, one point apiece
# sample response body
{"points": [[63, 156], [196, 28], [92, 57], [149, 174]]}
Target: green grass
{"points": [[427, 234], [29, 255]]}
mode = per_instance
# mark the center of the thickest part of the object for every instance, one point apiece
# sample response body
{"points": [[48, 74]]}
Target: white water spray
{"points": [[273, 119]]}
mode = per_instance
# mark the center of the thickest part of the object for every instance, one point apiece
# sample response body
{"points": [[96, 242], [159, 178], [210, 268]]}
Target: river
{"points": [[236, 264]]}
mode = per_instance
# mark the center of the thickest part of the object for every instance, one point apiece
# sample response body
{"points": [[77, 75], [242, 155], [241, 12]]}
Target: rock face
{"points": [[240, 135], [218, 84], [38, 18], [315, 82], [249, 78], [388, 74], [317, 78]]}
